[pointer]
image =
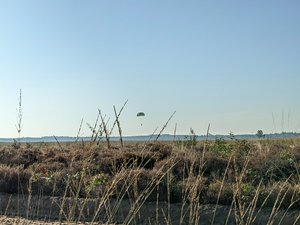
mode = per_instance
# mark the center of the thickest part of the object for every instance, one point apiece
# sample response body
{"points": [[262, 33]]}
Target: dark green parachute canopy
{"points": [[140, 114]]}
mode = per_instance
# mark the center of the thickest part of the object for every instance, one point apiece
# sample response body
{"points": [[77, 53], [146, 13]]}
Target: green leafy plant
{"points": [[221, 147], [96, 181]]}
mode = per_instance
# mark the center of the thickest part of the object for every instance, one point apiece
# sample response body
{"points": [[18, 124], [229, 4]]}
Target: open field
{"points": [[186, 182]]}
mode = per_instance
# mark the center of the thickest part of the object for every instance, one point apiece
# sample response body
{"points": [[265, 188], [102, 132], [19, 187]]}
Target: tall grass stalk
{"points": [[164, 126], [19, 129]]}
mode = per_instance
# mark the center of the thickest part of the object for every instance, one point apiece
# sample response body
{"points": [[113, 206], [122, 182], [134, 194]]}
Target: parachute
{"points": [[140, 114]]}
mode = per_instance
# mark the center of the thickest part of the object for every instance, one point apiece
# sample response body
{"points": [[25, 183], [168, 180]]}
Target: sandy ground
{"points": [[15, 220]]}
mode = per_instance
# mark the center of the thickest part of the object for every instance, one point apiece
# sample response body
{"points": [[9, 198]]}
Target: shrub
{"points": [[14, 179], [221, 147], [216, 189]]}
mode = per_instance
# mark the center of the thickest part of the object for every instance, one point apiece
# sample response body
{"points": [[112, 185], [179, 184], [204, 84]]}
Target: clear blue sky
{"points": [[228, 63]]}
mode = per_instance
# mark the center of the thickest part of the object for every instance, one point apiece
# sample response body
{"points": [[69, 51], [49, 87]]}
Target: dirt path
{"points": [[46, 210]]}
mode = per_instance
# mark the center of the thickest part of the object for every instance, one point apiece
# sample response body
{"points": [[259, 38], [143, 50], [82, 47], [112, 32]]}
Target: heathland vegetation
{"points": [[183, 182], [153, 182]]}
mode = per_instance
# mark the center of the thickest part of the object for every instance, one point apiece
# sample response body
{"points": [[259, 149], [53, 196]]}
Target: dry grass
{"points": [[246, 177]]}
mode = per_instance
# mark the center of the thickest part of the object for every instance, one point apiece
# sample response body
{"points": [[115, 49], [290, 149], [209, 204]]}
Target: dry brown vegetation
{"points": [[245, 176]]}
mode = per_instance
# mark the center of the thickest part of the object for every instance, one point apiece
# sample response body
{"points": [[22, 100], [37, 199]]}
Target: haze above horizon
{"points": [[231, 64]]}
